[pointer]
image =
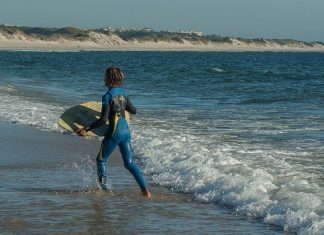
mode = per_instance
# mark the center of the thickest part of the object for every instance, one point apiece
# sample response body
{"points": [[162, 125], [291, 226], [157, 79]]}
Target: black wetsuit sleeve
{"points": [[130, 107], [103, 117]]}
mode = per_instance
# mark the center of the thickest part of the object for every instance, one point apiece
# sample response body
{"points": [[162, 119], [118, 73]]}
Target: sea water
{"points": [[244, 131]]}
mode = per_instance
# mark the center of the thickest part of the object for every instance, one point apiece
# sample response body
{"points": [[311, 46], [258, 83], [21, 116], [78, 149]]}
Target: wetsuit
{"points": [[114, 104]]}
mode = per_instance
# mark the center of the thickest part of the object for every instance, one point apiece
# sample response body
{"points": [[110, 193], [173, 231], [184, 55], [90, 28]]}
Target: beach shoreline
{"points": [[48, 184], [63, 45]]}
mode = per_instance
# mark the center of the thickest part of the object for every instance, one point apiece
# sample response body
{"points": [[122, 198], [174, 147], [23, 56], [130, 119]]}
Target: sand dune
{"points": [[102, 42]]}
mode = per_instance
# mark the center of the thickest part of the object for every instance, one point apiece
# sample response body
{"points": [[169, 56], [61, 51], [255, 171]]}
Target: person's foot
{"points": [[147, 194], [103, 183], [104, 187]]}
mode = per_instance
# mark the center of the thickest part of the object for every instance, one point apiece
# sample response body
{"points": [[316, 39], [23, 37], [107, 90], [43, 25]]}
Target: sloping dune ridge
{"points": [[73, 39]]}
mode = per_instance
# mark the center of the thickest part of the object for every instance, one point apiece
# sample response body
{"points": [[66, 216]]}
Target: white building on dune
{"points": [[192, 33]]}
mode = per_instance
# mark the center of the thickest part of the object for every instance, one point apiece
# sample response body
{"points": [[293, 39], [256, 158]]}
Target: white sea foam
{"points": [[218, 70], [258, 181], [23, 110]]}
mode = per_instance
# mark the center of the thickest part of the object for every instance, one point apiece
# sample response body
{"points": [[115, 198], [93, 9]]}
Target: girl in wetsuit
{"points": [[115, 103]]}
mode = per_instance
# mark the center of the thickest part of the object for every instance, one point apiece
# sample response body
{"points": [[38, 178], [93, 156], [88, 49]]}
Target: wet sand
{"points": [[48, 185]]}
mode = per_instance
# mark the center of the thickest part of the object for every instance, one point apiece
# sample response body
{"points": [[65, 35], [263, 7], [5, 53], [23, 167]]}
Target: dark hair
{"points": [[114, 76]]}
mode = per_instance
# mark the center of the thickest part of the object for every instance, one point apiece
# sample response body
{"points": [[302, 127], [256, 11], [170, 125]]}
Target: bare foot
{"points": [[147, 194]]}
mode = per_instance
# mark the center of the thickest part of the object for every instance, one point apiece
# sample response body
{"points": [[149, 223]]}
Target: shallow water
{"points": [[242, 131], [46, 189]]}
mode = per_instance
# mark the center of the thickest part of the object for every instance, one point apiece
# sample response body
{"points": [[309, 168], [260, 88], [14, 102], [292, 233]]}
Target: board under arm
{"points": [[103, 117]]}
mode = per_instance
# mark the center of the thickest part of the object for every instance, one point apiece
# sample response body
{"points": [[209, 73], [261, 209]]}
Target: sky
{"points": [[282, 19]]}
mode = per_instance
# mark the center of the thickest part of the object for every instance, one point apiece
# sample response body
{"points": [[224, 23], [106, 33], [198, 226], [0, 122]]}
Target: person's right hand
{"points": [[81, 132]]}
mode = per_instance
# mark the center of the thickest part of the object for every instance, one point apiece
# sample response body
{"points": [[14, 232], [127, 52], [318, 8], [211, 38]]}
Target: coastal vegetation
{"points": [[45, 34], [142, 35]]}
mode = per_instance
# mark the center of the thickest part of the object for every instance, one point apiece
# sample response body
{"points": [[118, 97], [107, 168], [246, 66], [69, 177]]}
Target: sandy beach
{"points": [[101, 42], [48, 183]]}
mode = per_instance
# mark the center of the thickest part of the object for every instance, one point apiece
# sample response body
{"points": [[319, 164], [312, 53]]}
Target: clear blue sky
{"points": [[297, 19]]}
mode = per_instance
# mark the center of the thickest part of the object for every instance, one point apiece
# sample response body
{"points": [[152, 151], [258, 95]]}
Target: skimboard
{"points": [[83, 115]]}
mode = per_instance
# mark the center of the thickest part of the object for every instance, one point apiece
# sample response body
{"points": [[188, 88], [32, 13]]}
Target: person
{"points": [[115, 103]]}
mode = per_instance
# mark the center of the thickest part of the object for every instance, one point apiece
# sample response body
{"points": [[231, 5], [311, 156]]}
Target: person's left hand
{"points": [[81, 132]]}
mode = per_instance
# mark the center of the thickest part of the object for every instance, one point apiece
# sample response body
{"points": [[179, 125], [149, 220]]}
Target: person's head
{"points": [[113, 77]]}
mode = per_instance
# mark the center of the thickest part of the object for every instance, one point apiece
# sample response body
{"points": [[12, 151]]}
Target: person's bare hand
{"points": [[81, 132]]}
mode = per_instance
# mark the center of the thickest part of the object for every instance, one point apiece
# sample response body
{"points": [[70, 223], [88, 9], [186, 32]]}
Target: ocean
{"points": [[238, 132]]}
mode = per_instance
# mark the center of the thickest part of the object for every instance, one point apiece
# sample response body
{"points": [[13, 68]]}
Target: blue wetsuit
{"points": [[114, 104]]}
